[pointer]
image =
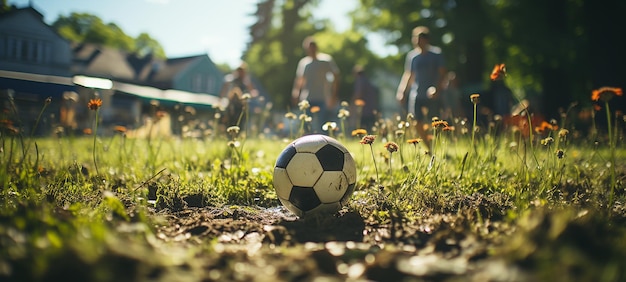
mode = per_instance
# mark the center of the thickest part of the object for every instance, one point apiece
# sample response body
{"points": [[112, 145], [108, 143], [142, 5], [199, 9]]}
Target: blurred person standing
{"points": [[235, 86], [317, 81], [365, 99]]}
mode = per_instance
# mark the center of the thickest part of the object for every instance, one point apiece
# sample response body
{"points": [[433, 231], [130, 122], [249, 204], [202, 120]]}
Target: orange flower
{"points": [[545, 126], [315, 109], [359, 132], [499, 72], [359, 102], [94, 104], [391, 147], [414, 141], [439, 123], [87, 131], [368, 139], [605, 93], [120, 129]]}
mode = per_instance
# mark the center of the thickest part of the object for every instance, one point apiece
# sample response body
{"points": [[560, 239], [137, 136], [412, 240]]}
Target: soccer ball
{"points": [[314, 174]]}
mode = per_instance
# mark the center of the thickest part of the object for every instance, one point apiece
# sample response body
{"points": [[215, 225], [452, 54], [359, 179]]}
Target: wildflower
{"points": [[399, 133], [245, 97], [439, 124], [161, 114], [344, 104], [119, 128], [329, 126], [190, 110], [234, 144], [547, 141], [563, 133], [475, 98], [545, 126], [359, 102], [403, 124], [303, 117], [448, 128], [94, 104], [414, 141], [391, 147], [499, 72], [303, 105], [315, 109], [233, 129], [368, 139], [605, 93], [290, 115], [87, 131], [48, 100], [359, 132], [560, 154], [343, 113]]}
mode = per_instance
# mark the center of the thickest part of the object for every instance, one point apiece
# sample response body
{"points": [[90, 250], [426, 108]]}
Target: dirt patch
{"points": [[343, 246]]}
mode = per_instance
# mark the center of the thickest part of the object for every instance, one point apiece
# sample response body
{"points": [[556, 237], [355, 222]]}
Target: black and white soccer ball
{"points": [[314, 174]]}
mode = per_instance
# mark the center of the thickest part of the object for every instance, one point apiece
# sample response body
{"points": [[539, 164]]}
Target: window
{"points": [[26, 50], [196, 83], [210, 86]]}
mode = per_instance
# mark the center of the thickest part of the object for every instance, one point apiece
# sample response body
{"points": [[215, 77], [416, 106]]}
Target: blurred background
{"points": [[556, 52]]}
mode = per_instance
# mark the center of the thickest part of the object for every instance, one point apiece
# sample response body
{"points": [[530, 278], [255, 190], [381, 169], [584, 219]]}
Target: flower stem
{"points": [[95, 135], [374, 159], [612, 153]]}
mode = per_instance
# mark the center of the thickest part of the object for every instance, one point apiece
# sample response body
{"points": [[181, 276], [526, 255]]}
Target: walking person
{"points": [[419, 90]]}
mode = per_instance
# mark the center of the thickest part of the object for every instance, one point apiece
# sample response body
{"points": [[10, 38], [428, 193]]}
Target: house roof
{"points": [[164, 72], [15, 11], [110, 63], [101, 61]]}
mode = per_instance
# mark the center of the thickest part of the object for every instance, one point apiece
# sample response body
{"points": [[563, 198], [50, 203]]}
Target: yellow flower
{"points": [[359, 132], [547, 141], [439, 123], [414, 141]]}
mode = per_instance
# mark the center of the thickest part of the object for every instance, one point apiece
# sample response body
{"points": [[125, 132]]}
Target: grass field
{"points": [[538, 202]]}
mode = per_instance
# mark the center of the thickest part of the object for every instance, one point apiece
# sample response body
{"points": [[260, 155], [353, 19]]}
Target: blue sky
{"points": [[185, 27]]}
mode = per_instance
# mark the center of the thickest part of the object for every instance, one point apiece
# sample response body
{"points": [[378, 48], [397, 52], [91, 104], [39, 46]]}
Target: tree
{"points": [[145, 44], [87, 28], [555, 51], [275, 50]]}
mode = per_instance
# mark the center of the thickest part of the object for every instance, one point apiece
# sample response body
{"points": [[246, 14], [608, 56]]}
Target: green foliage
{"points": [[273, 58], [87, 28]]}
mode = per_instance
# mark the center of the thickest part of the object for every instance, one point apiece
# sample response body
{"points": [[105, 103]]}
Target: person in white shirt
{"points": [[317, 81]]}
